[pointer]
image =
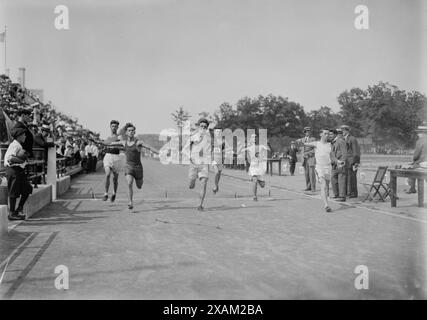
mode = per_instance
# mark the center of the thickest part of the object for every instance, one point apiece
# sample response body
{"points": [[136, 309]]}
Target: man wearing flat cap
{"points": [[352, 162], [420, 154], [40, 139], [309, 161], [24, 117], [15, 161]]}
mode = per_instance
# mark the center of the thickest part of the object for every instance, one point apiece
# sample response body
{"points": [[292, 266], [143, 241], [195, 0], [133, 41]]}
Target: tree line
{"points": [[384, 112]]}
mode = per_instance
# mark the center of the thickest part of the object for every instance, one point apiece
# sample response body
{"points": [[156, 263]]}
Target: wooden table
{"points": [[418, 174], [270, 165]]}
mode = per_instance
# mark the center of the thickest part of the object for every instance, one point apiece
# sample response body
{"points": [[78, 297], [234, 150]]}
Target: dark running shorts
{"points": [[17, 183], [137, 172]]}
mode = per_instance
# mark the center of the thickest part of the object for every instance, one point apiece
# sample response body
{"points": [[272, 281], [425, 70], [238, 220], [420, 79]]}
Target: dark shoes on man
{"points": [[17, 215], [410, 191]]}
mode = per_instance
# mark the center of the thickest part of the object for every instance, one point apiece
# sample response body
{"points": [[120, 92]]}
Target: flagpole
{"points": [[5, 65]]}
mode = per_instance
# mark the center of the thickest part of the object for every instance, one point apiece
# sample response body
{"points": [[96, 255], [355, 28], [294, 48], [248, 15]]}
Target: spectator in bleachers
{"points": [[95, 154], [41, 140], [24, 117], [88, 152]]}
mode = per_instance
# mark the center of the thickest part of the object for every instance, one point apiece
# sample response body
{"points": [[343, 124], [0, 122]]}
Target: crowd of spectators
{"points": [[73, 142]]}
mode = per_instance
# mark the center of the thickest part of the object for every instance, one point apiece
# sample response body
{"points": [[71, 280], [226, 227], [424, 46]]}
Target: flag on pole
{"points": [[2, 36]]}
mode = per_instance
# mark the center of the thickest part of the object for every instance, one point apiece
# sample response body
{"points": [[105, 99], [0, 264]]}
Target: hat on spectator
{"points": [[22, 111], [45, 127], [15, 132], [203, 120], [345, 127], [339, 130], [307, 129]]}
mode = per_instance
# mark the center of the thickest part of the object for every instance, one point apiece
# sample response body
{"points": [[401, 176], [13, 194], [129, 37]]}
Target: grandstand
{"points": [[64, 129]]}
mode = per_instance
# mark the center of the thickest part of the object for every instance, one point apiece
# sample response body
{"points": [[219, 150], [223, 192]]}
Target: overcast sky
{"points": [[139, 61]]}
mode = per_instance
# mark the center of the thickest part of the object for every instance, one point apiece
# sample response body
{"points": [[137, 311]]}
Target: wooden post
{"points": [[51, 170]]}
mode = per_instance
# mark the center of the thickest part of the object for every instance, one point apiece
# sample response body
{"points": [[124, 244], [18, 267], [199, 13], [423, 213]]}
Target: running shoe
{"points": [[105, 198], [113, 197], [200, 208], [130, 206], [255, 199], [328, 209], [215, 190]]}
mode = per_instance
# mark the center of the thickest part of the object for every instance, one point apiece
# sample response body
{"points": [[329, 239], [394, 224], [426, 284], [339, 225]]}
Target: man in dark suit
{"points": [[338, 161], [291, 154], [420, 154], [353, 161], [40, 140], [309, 161], [24, 117]]}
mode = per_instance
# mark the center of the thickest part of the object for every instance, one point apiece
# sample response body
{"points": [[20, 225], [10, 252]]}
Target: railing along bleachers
{"points": [[35, 169]]}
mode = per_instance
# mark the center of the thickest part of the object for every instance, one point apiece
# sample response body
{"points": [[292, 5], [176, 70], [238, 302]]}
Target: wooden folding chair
{"points": [[376, 186]]}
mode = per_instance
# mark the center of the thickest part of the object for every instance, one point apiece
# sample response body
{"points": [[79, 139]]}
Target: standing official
{"points": [[309, 161], [95, 154], [338, 161], [291, 154], [353, 161], [420, 154]]}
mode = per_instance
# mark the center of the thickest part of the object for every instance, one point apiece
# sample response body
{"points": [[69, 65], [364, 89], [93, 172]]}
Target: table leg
{"points": [[420, 183], [393, 184]]}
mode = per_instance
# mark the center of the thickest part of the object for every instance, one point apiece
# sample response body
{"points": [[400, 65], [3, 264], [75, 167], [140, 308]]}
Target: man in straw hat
{"points": [[420, 154]]}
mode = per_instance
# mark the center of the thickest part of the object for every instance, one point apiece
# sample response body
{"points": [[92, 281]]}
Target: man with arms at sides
{"points": [[309, 161], [353, 161], [291, 154], [420, 154], [338, 159]]}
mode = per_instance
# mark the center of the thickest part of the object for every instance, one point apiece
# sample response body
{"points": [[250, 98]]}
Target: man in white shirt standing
{"points": [[15, 161], [88, 152], [322, 154]]}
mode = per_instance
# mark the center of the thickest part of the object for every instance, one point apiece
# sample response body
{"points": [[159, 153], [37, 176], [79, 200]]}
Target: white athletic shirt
{"points": [[322, 154]]}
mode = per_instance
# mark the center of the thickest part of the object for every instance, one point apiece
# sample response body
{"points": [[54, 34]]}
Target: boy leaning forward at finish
{"points": [[200, 149]]}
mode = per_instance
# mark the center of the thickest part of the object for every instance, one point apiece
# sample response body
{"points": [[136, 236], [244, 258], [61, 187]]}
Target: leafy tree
{"points": [[323, 118], [180, 116]]}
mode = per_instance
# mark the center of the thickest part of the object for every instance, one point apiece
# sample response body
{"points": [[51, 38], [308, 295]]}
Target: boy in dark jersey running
{"points": [[112, 162], [134, 170]]}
